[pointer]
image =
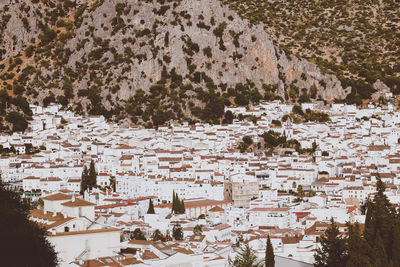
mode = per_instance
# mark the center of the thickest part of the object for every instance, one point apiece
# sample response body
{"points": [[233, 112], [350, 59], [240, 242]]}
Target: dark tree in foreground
{"points": [[24, 241], [269, 254], [333, 251], [358, 249], [245, 258], [378, 246]]}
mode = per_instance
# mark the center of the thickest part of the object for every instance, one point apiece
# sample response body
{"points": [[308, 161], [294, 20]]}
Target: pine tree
{"points": [[150, 210], [380, 255], [396, 245], [22, 234], [380, 217], [358, 249], [92, 177], [84, 180], [177, 232], [333, 249], [245, 258], [269, 254]]}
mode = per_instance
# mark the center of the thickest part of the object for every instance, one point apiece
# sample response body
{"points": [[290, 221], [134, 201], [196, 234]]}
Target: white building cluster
{"points": [[289, 196]]}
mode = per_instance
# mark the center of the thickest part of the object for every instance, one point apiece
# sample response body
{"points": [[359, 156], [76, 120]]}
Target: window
{"points": [[66, 229]]}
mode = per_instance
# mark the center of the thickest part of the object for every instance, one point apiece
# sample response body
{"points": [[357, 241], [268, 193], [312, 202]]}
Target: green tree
{"points": [[178, 206], [379, 252], [333, 251], [269, 254], [150, 210], [92, 176], [247, 140], [157, 236], [358, 249], [197, 230], [245, 258], [138, 234], [239, 241], [396, 245], [84, 180], [177, 232], [229, 117], [182, 207], [22, 234], [380, 217], [174, 202]]}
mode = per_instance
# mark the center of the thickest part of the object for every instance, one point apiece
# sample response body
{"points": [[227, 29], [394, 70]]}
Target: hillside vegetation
{"points": [[356, 40]]}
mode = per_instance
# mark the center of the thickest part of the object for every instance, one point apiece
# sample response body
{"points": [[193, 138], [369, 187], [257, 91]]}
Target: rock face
{"points": [[381, 90], [116, 47]]}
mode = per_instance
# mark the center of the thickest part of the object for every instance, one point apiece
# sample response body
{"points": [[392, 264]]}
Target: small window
{"points": [[66, 229]]}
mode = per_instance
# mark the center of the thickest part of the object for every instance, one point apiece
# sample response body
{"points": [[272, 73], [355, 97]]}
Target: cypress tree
{"points": [[333, 249], [269, 254], [84, 180], [92, 178], [182, 207], [358, 249], [173, 202], [150, 210]]}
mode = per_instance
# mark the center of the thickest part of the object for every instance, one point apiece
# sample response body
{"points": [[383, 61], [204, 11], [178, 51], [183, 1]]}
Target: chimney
{"points": [[54, 214], [73, 198]]}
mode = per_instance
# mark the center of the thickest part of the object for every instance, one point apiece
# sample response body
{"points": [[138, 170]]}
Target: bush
{"points": [[47, 36]]}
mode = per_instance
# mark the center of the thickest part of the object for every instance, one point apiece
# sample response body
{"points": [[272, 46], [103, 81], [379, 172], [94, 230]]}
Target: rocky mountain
{"points": [[145, 61], [356, 40]]}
